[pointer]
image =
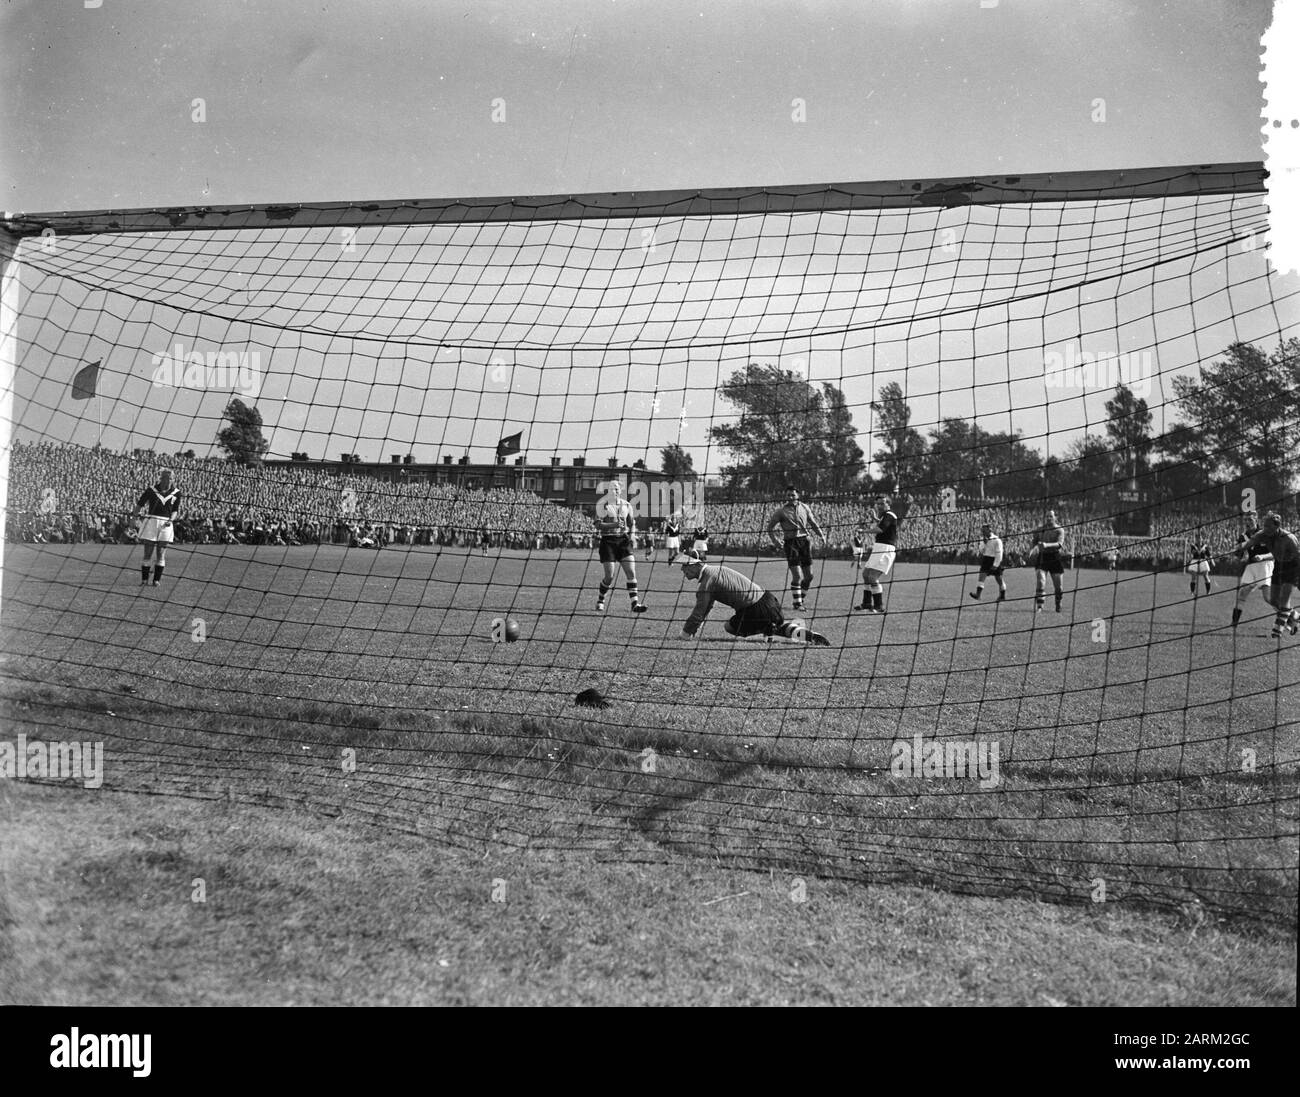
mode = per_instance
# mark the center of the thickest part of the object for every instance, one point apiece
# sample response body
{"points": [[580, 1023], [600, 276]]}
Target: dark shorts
{"points": [[1051, 563], [613, 549], [761, 619], [1286, 573], [987, 568], [798, 552]]}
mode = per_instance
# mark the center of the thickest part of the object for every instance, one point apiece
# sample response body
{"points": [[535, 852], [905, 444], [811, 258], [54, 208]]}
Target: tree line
{"points": [[1238, 420]]}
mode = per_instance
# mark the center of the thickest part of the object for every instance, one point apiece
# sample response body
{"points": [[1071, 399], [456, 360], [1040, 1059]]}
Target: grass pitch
{"points": [[1147, 753]]}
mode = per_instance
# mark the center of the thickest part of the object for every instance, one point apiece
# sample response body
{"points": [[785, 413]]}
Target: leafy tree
{"points": [[1245, 411], [242, 441], [1088, 467], [846, 465], [677, 463], [965, 456], [1128, 427], [903, 455], [779, 438]]}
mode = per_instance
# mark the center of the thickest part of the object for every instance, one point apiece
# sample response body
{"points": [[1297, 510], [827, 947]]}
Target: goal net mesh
{"points": [[329, 633]]}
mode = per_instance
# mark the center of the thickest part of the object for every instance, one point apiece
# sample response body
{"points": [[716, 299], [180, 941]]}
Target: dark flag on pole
{"points": [[83, 383], [509, 445]]}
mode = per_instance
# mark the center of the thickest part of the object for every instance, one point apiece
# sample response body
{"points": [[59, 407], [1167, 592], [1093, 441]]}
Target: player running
{"points": [[758, 613], [881, 561], [1258, 573], [990, 563], [1049, 545], [617, 530], [1199, 562], [796, 520], [161, 502], [672, 537], [1285, 549]]}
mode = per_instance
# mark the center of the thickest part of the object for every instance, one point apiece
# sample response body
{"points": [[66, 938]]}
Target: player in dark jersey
{"points": [[701, 540], [881, 561], [617, 527], [160, 505], [672, 537], [1198, 563], [757, 613], [1049, 559], [1285, 549]]}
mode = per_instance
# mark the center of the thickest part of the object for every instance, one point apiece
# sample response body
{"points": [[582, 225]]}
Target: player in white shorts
{"points": [[161, 503], [1199, 564], [672, 538], [881, 561], [1258, 573]]}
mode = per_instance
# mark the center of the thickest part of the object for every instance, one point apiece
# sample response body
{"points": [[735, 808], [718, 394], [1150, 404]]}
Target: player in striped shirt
{"points": [[796, 521], [990, 563], [881, 561], [617, 527], [1285, 548], [1199, 561], [757, 613], [160, 504]]}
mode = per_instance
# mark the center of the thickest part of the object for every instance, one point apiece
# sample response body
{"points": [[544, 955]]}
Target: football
{"points": [[512, 630]]}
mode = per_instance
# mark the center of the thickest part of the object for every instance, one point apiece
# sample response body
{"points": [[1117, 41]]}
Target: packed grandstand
{"points": [[70, 494]]}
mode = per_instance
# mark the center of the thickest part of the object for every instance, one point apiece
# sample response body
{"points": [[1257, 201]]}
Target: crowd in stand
{"points": [[67, 494]]}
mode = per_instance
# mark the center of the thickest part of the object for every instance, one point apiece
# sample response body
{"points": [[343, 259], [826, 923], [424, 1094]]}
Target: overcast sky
{"points": [[133, 104]]}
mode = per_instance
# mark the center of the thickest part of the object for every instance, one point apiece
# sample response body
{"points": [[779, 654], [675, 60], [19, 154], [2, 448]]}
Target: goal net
{"points": [[400, 432]]}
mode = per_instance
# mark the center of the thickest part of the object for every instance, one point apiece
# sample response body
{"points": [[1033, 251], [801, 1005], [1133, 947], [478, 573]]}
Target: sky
{"points": [[126, 105]]}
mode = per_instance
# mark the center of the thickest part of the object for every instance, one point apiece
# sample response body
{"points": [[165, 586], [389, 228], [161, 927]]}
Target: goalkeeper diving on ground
{"points": [[757, 613]]}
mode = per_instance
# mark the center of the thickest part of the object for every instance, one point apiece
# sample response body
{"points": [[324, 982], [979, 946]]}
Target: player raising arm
{"points": [[757, 613], [796, 520], [990, 563], [160, 505]]}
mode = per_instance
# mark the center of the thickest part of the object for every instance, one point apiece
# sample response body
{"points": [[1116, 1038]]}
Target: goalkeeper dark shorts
{"points": [[613, 549], [798, 552], [760, 619], [1286, 573], [1051, 563]]}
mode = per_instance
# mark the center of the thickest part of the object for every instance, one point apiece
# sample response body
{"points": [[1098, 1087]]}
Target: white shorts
{"points": [[1257, 572], [700, 546], [1198, 567], [881, 558], [156, 529], [674, 543]]}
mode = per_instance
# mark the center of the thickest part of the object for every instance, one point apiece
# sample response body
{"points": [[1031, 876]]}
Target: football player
{"points": [[617, 527], [160, 505], [796, 521], [757, 613]]}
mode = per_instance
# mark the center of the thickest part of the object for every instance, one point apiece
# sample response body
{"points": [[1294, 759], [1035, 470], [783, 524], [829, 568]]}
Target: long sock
{"points": [[604, 589], [796, 589], [979, 589], [1207, 586], [631, 591], [144, 573], [878, 599], [157, 572], [1236, 615]]}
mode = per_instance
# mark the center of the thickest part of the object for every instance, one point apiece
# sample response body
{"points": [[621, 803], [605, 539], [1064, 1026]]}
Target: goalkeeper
{"points": [[758, 613]]}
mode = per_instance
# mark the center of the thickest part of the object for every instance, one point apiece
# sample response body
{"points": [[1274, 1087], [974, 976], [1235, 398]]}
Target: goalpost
{"points": [[978, 349]]}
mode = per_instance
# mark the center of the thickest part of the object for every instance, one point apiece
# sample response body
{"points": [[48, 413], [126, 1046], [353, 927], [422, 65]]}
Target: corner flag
{"points": [[83, 383], [509, 444]]}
